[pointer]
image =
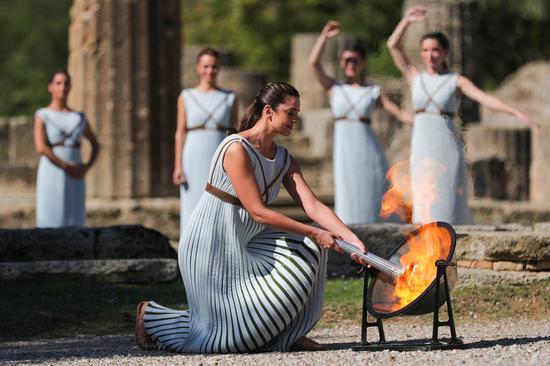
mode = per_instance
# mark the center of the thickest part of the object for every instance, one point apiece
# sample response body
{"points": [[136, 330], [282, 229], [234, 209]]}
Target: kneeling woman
{"points": [[254, 278]]}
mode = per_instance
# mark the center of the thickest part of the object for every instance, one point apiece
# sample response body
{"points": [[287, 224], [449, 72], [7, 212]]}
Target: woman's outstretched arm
{"points": [[239, 168], [300, 191], [466, 86], [413, 14], [331, 29]]}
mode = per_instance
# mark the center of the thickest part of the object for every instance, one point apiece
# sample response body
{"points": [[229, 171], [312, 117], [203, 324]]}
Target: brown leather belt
{"points": [[219, 128], [442, 113], [224, 196], [360, 119], [62, 143]]}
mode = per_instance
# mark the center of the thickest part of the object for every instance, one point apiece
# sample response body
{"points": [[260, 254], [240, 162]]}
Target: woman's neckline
{"points": [[446, 73], [205, 91], [58, 110], [257, 150], [364, 84]]}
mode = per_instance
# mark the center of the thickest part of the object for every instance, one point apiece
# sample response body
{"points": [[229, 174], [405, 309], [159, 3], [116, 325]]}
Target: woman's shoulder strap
{"points": [[222, 150]]}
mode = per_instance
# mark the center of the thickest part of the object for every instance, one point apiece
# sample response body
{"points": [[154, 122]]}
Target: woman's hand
{"points": [[359, 245], [76, 171], [527, 119], [178, 177], [415, 13], [326, 239], [331, 29]]}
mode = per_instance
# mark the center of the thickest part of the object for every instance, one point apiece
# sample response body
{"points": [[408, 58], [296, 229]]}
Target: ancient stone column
{"points": [[124, 57], [457, 19]]}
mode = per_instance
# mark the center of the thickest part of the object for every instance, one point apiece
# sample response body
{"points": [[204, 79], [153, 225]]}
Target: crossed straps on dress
{"points": [[209, 115], [228, 197], [66, 135], [431, 101], [353, 107]]}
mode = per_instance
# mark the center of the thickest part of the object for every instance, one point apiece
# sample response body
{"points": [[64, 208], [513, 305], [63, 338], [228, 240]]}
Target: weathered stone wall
{"points": [[527, 89], [124, 60], [498, 247], [129, 253], [500, 159], [18, 159]]}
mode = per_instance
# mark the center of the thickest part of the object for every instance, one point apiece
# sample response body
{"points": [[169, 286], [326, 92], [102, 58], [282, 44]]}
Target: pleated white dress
{"points": [[208, 116], [249, 287], [60, 199], [437, 160], [359, 162]]}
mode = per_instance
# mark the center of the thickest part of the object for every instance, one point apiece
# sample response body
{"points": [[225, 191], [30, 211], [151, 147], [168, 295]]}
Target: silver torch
{"points": [[381, 264]]}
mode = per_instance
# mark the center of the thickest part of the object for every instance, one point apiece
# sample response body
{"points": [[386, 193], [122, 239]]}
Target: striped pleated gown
{"points": [[249, 287]]}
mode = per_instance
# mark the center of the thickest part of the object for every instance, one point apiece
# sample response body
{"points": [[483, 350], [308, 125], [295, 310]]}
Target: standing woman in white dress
{"points": [[205, 113], [437, 162], [360, 164], [58, 131], [254, 278]]}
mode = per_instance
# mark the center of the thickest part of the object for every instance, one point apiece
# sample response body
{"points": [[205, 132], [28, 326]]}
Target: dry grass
{"points": [[61, 308]]}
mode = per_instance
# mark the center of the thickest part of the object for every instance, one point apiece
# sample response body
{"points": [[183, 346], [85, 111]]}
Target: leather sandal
{"points": [[143, 340], [307, 344]]}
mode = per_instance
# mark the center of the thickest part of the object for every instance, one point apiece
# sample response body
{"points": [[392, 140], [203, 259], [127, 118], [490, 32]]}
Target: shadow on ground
{"points": [[113, 346]]}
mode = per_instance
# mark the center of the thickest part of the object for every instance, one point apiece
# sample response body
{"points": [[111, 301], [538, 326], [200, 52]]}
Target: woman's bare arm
{"points": [[300, 191], [331, 29], [467, 87], [90, 135], [239, 168], [413, 14], [178, 176], [394, 110]]}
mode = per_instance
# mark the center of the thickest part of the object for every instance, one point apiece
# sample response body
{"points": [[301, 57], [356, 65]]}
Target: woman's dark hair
{"points": [[439, 37], [208, 51], [59, 71], [357, 47], [271, 94], [442, 40]]}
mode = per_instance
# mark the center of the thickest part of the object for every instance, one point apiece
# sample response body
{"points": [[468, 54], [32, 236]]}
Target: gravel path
{"points": [[503, 343]]}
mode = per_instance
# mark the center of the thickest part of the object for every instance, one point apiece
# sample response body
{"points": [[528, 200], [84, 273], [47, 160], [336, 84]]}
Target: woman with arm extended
{"points": [[254, 278], [205, 113], [437, 153], [359, 162], [58, 131]]}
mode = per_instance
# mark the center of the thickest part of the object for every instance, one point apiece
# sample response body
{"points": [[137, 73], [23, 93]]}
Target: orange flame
{"points": [[425, 248], [430, 243], [398, 199]]}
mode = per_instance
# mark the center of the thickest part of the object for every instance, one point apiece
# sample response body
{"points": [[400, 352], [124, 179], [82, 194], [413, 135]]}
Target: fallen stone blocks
{"points": [[126, 253]]}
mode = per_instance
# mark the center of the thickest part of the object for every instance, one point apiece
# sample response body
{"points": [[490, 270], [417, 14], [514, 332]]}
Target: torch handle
{"points": [[381, 264]]}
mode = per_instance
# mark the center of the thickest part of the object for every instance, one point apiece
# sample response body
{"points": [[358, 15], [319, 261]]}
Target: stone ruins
{"points": [[126, 57]]}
